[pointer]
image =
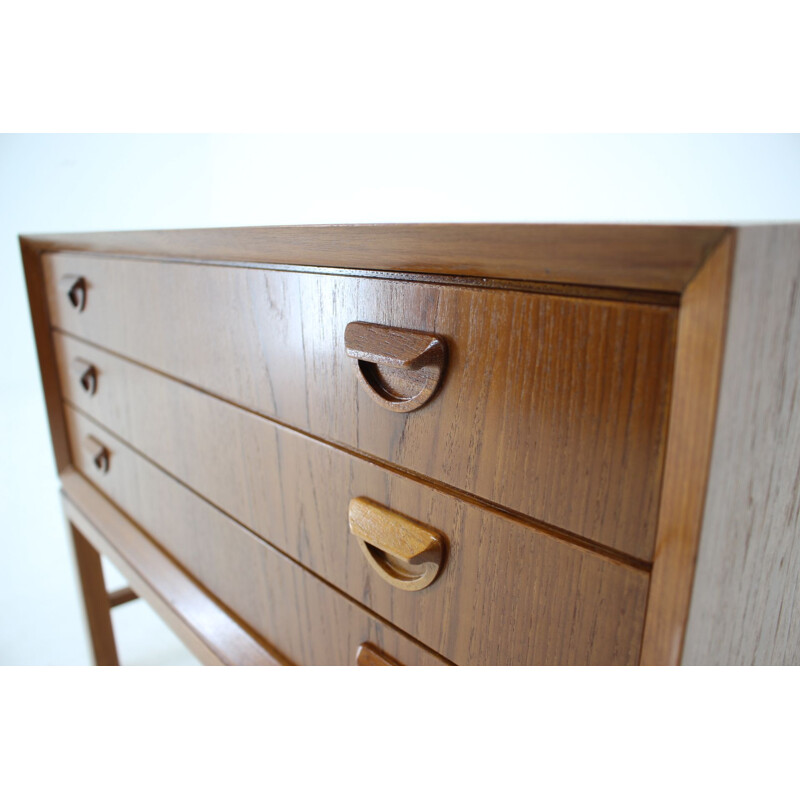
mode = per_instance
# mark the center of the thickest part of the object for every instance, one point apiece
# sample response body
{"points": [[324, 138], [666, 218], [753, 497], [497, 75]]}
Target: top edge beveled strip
{"points": [[660, 258], [576, 290]]}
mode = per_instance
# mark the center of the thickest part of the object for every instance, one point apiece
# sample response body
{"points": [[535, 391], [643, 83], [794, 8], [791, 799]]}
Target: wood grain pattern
{"points": [[746, 603], [650, 257], [299, 616], [509, 593], [541, 392], [698, 362], [96, 601], [201, 624]]}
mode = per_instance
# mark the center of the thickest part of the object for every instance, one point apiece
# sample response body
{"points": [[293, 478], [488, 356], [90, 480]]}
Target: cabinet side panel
{"points": [[746, 603]]}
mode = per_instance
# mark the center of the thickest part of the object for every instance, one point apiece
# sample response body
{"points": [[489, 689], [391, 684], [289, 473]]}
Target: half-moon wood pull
{"points": [[368, 655], [74, 286], [400, 369], [86, 373], [403, 552], [98, 452]]}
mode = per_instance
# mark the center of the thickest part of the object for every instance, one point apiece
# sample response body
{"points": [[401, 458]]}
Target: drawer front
{"points": [[507, 594], [307, 621], [554, 407]]}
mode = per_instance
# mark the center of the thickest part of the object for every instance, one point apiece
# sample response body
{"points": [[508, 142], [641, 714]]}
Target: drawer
{"points": [[554, 407], [507, 592], [300, 616]]}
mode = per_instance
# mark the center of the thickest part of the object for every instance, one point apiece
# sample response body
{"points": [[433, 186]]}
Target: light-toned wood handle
{"points": [[98, 452], [368, 655], [74, 286], [86, 372], [380, 350], [403, 552]]}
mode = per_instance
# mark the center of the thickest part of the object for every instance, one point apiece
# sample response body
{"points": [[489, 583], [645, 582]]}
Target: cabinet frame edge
{"points": [[48, 369], [699, 353]]}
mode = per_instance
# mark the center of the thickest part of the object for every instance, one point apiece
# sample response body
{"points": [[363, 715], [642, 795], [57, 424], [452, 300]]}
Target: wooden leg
{"points": [[95, 600]]}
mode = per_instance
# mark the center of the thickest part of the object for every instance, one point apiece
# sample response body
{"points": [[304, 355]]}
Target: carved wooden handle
{"points": [[98, 452], [74, 286], [368, 655], [404, 553], [86, 374], [400, 369]]}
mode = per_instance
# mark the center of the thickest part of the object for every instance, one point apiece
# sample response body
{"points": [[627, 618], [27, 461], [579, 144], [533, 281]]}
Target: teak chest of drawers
{"points": [[431, 444]]}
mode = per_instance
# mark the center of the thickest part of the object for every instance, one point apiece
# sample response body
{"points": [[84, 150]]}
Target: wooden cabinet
{"points": [[538, 390], [390, 444]]}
